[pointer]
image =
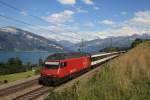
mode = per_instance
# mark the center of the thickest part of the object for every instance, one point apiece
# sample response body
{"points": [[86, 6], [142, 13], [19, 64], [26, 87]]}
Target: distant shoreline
{"points": [[23, 51]]}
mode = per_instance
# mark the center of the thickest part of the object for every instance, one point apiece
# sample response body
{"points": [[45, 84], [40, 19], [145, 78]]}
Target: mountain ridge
{"points": [[99, 44], [16, 39]]}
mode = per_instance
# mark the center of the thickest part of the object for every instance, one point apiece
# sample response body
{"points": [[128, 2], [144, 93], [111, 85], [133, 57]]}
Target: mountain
{"points": [[99, 44], [15, 39], [65, 43]]}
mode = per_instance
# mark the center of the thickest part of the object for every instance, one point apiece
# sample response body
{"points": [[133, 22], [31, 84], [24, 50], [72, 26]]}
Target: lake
{"points": [[32, 57]]}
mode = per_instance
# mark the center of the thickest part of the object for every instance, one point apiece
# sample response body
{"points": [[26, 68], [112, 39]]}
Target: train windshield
{"points": [[56, 57], [52, 65]]}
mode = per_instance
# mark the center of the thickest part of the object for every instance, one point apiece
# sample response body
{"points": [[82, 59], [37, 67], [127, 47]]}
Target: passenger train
{"points": [[60, 67]]}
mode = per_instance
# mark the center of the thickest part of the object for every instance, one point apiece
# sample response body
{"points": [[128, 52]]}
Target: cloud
{"points": [[60, 17], [72, 2], [3, 18], [96, 8], [123, 13], [59, 32], [24, 13], [68, 2], [89, 24], [122, 31], [140, 18], [107, 22], [138, 24], [89, 2], [55, 32], [79, 10]]}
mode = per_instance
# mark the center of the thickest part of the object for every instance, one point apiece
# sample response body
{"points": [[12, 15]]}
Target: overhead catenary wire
{"points": [[19, 10], [11, 18], [25, 23], [33, 16]]}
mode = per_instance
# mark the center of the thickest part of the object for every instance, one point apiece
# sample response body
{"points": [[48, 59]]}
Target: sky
{"points": [[74, 20]]}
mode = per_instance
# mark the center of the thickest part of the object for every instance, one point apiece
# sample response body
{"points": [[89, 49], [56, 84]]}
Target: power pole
{"points": [[81, 46], [110, 42]]}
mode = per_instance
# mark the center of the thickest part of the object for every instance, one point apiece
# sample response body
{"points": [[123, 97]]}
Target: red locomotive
{"points": [[61, 67]]}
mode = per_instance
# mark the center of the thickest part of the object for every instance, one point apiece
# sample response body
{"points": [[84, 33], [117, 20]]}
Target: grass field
{"points": [[124, 78], [16, 76]]}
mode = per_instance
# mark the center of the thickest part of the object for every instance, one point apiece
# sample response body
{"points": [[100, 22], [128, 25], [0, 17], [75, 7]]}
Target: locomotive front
{"points": [[51, 72]]}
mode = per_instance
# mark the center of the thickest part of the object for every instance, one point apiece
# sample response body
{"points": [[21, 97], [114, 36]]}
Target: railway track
{"points": [[37, 92], [17, 87], [33, 94]]}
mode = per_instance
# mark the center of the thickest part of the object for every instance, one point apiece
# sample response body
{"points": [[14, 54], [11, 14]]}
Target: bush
{"points": [[68, 94], [13, 65], [136, 42]]}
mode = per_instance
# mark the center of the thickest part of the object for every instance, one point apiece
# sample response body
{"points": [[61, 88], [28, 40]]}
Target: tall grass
{"points": [[124, 78]]}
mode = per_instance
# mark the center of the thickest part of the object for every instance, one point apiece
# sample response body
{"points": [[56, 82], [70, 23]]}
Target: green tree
{"points": [[11, 61], [18, 61], [40, 62], [14, 65], [2, 68], [136, 42], [14, 61]]}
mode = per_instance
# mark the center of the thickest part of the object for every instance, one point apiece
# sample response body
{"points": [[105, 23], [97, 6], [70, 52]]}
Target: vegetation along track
{"points": [[17, 87]]}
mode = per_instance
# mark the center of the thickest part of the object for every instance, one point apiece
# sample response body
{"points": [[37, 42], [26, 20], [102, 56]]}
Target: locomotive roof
{"points": [[62, 56]]}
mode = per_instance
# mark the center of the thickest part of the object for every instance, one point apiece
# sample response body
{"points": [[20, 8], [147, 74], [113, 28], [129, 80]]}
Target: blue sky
{"points": [[86, 19]]}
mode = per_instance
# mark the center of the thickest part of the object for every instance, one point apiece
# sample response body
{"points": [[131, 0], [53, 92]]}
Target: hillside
{"points": [[124, 78], [120, 41], [15, 39]]}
